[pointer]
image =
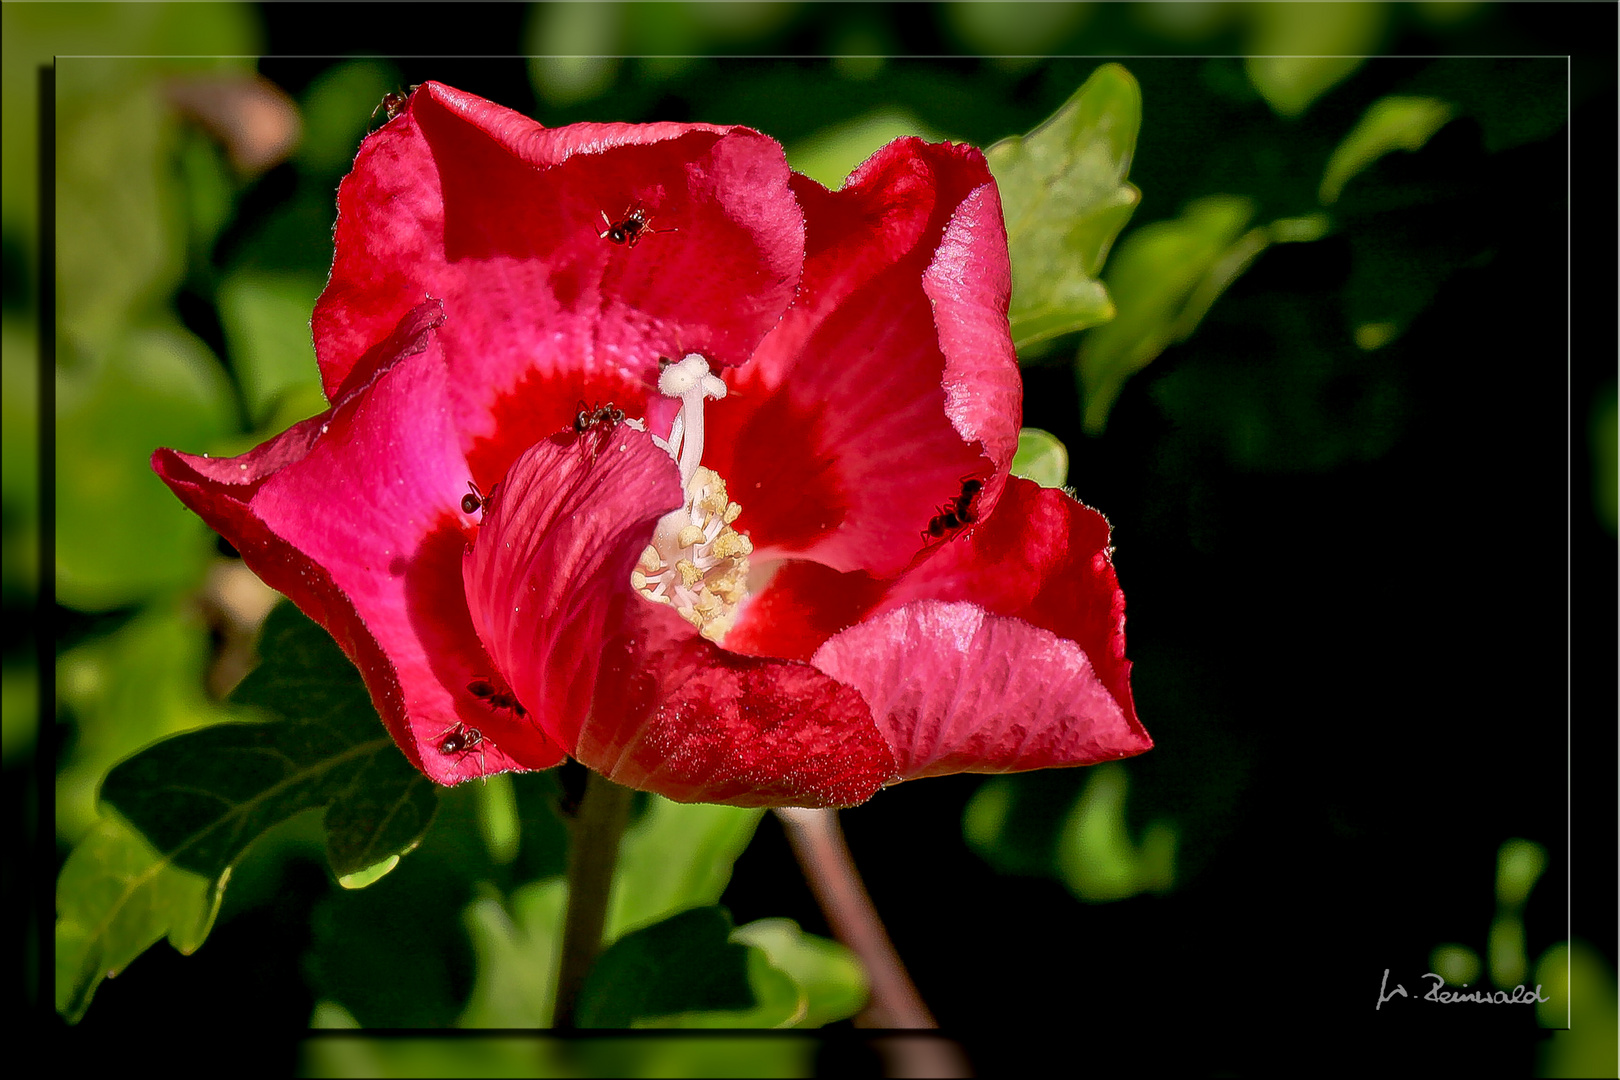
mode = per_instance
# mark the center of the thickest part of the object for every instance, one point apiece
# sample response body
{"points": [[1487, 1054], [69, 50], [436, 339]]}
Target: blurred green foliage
{"points": [[184, 286]]}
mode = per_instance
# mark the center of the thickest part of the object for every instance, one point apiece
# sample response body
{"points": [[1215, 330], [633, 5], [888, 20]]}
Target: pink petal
{"points": [[893, 376], [956, 689], [500, 219], [1038, 572], [548, 578], [355, 516], [1044, 558], [627, 685]]}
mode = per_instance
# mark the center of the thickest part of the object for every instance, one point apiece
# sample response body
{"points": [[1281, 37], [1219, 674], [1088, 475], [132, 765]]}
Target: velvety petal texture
{"points": [[354, 515], [466, 517]]}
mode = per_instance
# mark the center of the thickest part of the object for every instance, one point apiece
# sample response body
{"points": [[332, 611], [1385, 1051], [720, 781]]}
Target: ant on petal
{"points": [[476, 500], [494, 697], [959, 511], [599, 415], [393, 103], [630, 228], [460, 740]]}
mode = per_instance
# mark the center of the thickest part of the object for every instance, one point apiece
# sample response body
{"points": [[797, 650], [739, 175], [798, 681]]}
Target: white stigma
{"points": [[696, 562], [689, 380]]}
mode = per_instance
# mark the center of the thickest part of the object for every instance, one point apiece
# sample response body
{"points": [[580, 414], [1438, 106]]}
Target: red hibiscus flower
{"points": [[646, 450]]}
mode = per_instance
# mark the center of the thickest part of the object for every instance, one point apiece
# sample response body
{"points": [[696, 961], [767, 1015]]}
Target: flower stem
{"points": [[593, 852], [818, 842]]}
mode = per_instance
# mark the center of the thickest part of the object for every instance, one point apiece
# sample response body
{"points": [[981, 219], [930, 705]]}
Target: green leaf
{"points": [[1065, 197], [517, 948], [120, 235], [115, 898], [122, 690], [201, 798], [1298, 52], [677, 856], [1041, 457], [266, 320], [829, 156], [336, 109], [1390, 123], [204, 796], [1096, 858], [831, 981], [156, 386], [1037, 825], [686, 971], [1164, 277]]}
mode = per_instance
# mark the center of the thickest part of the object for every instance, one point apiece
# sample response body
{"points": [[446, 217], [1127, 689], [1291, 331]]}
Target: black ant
{"points": [[601, 414], [459, 739], [495, 698], [629, 229], [958, 512], [476, 500], [393, 103]]}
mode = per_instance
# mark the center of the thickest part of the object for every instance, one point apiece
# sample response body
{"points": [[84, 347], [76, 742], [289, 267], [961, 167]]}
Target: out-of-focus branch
{"points": [[818, 843]]}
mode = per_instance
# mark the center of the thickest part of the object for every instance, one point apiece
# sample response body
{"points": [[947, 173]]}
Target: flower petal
{"points": [[956, 689], [891, 378], [548, 576], [626, 684], [684, 717], [354, 515], [501, 219], [1038, 572]]}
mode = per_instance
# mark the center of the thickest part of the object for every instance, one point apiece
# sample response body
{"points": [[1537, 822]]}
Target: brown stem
{"points": [[819, 844], [593, 852]]}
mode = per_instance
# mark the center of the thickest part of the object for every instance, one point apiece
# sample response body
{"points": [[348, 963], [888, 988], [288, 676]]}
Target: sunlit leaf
{"points": [[120, 235], [266, 319], [1041, 457], [828, 156], [678, 856], [1391, 123], [1298, 52], [830, 979], [517, 948], [1065, 197], [574, 49], [1096, 858], [115, 898]]}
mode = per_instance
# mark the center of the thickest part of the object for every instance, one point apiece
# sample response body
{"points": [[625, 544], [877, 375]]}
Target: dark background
{"points": [[1367, 655]]}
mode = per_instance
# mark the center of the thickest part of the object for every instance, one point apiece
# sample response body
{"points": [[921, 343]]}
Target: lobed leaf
{"points": [[1065, 197], [204, 796], [201, 798], [116, 896]]}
